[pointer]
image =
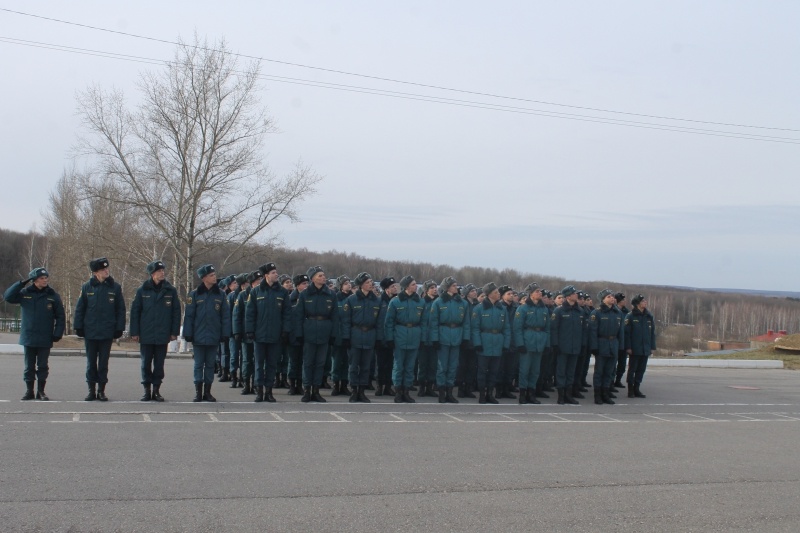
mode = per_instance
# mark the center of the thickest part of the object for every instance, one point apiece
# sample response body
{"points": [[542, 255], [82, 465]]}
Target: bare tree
{"points": [[189, 157]]}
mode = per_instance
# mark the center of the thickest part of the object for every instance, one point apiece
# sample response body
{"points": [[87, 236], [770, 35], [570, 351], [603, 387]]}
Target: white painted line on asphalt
{"points": [[656, 417], [704, 418], [213, 417], [511, 419], [399, 419], [146, 417], [785, 416], [339, 418], [455, 418], [276, 416], [560, 418], [76, 417], [746, 418], [612, 419]]}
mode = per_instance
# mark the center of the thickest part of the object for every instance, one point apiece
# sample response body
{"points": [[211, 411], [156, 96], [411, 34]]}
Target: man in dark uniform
{"points": [[384, 356], [248, 346], [362, 318], [403, 330], [509, 360], [450, 331], [207, 324], [622, 357], [566, 339], [532, 331], [428, 358], [640, 341], [491, 334], [467, 358], [606, 333], [282, 377], [340, 367], [316, 321], [42, 325], [155, 321], [268, 315], [235, 345], [300, 282], [99, 319]]}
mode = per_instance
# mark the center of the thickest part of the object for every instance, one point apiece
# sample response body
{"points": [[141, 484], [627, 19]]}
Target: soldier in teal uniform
{"points": [[491, 334], [606, 334], [531, 330], [403, 332], [449, 323], [640, 341]]}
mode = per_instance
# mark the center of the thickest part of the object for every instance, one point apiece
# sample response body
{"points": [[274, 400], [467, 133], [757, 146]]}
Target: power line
{"points": [[391, 80], [423, 98]]}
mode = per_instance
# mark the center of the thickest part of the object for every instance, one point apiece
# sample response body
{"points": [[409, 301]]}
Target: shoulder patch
{"points": [[189, 300], [346, 307], [553, 316], [594, 317]]}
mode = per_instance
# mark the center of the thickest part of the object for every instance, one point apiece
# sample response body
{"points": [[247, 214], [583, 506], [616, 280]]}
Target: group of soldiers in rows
{"points": [[262, 331]]}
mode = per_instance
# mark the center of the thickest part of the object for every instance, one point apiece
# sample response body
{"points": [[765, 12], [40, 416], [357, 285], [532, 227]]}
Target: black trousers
{"points": [[153, 357]]}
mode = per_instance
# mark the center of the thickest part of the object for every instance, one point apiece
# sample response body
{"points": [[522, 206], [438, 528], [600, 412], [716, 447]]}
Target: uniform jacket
{"points": [[405, 324], [42, 314], [207, 318], [511, 310], [268, 312], [363, 316], [587, 311], [155, 313], [606, 331], [426, 319], [531, 326], [640, 332], [341, 298], [316, 315], [566, 329], [491, 328], [100, 311], [237, 324], [449, 320]]}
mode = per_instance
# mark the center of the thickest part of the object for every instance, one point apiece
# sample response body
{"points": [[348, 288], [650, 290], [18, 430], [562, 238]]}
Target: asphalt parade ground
{"points": [[707, 450]]}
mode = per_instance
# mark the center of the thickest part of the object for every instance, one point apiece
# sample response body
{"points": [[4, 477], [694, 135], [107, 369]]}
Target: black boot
{"points": [[532, 397], [234, 381], [547, 386], [489, 397], [218, 370], [442, 395], [398, 395], [306, 395], [259, 394], [631, 392], [325, 384], [468, 392], [157, 393], [482, 396], [388, 390], [599, 396], [343, 390], [246, 387], [369, 385], [378, 389], [449, 396], [423, 389], [92, 395], [28, 391], [362, 397], [606, 397], [147, 396], [431, 393], [354, 395], [461, 392], [207, 393], [580, 387], [101, 392], [40, 395], [539, 393], [637, 392], [294, 389], [507, 393], [610, 394], [523, 396], [198, 392], [315, 396], [568, 397], [576, 392], [561, 400], [336, 386], [226, 377], [618, 384], [268, 395], [407, 397]]}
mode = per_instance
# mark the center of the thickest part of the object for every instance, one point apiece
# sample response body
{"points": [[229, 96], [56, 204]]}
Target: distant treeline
{"points": [[713, 315]]}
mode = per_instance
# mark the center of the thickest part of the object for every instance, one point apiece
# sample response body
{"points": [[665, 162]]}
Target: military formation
{"points": [[263, 331]]}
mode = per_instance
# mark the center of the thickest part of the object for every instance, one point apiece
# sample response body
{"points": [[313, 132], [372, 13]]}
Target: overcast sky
{"points": [[426, 181]]}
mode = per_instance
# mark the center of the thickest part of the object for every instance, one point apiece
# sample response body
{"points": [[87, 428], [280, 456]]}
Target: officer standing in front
{"points": [[606, 335], [640, 341], [566, 339], [155, 321], [42, 325], [99, 319], [403, 327], [207, 324]]}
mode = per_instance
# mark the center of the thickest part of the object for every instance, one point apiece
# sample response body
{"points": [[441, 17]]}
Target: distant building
{"points": [[716, 346], [767, 339]]}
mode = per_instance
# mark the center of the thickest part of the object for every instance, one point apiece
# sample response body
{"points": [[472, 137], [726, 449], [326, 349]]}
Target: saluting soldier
{"points": [[155, 321], [340, 367], [640, 341], [403, 327], [206, 325], [316, 321], [491, 334], [362, 319], [566, 339], [248, 345], [428, 357], [99, 319], [531, 330], [42, 325], [449, 330], [606, 334], [268, 316]]}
